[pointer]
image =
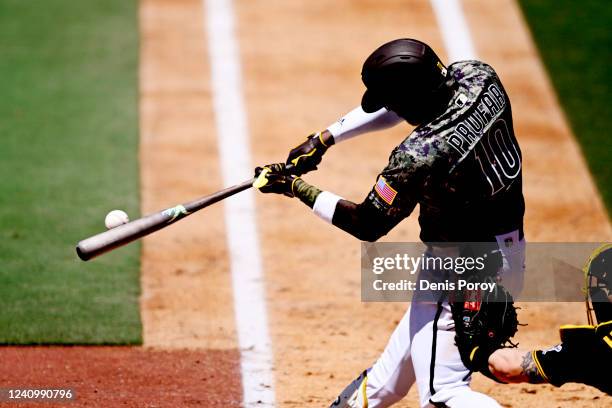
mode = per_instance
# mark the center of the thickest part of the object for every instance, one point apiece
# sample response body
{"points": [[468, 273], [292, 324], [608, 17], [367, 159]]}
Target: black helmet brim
{"points": [[370, 103]]}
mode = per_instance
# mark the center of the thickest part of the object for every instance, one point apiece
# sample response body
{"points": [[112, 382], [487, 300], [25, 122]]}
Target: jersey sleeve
{"points": [[398, 187]]}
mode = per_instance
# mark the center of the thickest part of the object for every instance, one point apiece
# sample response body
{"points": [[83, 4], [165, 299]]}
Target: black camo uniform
{"points": [[463, 168]]}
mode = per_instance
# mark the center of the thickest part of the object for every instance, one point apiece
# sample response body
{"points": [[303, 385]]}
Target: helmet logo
{"points": [[441, 68]]}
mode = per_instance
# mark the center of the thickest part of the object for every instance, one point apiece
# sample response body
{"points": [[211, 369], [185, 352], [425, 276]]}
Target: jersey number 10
{"points": [[498, 156]]}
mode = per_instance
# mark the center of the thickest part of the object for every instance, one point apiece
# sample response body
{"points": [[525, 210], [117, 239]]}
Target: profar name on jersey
{"points": [[468, 132]]}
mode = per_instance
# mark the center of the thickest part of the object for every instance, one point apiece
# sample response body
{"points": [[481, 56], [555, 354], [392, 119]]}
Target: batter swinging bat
{"points": [[126, 233]]}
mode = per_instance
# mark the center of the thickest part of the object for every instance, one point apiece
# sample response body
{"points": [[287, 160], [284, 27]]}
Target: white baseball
{"points": [[116, 218]]}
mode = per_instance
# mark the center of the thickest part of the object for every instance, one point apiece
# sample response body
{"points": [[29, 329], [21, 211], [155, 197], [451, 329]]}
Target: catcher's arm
{"points": [[583, 356], [306, 156], [585, 351], [512, 365]]}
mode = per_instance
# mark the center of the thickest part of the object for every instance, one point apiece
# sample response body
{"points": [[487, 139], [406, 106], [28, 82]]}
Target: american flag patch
{"points": [[385, 191]]}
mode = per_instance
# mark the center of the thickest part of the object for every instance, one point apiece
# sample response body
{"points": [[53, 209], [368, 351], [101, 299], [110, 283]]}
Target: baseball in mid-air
{"points": [[116, 218]]}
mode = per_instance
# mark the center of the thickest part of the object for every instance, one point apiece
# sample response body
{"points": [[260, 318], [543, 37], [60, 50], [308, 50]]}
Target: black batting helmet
{"points": [[400, 70]]}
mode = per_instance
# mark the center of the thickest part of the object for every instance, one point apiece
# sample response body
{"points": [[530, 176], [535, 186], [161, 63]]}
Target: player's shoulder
{"points": [[406, 166], [470, 70], [427, 145], [418, 151]]}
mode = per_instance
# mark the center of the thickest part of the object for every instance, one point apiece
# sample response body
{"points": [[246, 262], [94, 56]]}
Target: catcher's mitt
{"points": [[484, 322]]}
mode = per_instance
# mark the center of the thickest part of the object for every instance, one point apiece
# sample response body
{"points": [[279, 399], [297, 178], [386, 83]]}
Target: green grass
{"points": [[68, 154], [575, 41]]}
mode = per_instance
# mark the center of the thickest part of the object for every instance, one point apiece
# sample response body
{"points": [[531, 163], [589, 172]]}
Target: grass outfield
{"points": [[575, 41], [68, 154]]}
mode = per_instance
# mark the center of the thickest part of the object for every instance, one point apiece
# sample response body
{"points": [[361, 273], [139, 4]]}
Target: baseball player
{"points": [[583, 356], [462, 165], [585, 352]]}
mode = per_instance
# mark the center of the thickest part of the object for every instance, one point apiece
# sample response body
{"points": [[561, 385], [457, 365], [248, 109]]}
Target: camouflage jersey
{"points": [[463, 168]]}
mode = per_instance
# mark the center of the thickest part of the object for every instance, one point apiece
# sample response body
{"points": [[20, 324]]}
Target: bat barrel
{"points": [[108, 240]]}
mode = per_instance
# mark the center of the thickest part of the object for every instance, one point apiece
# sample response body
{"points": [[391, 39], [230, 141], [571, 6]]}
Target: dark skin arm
{"points": [[368, 221], [363, 221]]}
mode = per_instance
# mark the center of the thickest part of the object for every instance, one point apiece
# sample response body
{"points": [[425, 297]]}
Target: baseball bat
{"points": [[108, 240]]}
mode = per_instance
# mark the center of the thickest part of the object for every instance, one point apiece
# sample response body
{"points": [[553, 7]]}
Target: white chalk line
{"points": [[243, 243], [454, 29]]}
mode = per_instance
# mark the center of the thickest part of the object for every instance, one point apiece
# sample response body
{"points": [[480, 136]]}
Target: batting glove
{"points": [[274, 178], [306, 156]]}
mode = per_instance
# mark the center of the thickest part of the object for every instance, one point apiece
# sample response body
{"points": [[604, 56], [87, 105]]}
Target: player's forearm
{"points": [[513, 365], [344, 214], [357, 122], [307, 193]]}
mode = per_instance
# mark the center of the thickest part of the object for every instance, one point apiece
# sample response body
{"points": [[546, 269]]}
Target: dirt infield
{"points": [[186, 287], [314, 288], [125, 376]]}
